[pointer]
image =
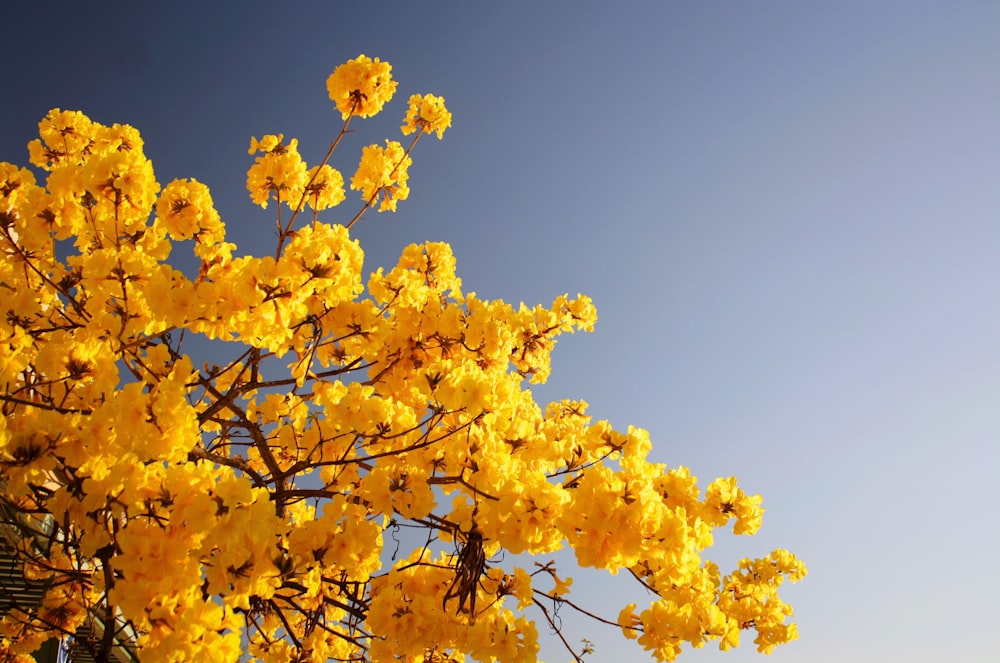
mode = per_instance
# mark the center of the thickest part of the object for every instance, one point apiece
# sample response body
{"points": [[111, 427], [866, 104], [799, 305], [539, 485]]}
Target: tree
{"points": [[244, 506]]}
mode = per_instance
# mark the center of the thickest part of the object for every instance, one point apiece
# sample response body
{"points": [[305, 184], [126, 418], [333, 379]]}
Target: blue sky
{"points": [[787, 213]]}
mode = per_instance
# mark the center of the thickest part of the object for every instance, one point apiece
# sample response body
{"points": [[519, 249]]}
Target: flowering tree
{"points": [[243, 507]]}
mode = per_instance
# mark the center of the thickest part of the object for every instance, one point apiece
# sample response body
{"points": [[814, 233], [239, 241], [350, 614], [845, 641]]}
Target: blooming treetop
{"points": [[242, 507]]}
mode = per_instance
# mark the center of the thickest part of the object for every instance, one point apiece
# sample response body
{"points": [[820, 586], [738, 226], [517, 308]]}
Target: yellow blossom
{"points": [[383, 171], [186, 209], [325, 188], [279, 174], [361, 86], [426, 113]]}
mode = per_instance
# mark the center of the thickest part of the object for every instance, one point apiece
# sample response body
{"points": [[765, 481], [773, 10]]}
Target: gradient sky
{"points": [[787, 213]]}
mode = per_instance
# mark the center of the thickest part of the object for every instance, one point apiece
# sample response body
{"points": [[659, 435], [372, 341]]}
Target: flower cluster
{"points": [[383, 171], [279, 173], [426, 113], [325, 188], [361, 86]]}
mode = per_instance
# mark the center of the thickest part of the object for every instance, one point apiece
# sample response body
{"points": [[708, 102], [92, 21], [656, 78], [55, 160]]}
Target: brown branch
{"points": [[558, 631], [77, 306], [197, 453], [561, 600], [43, 406], [461, 480]]}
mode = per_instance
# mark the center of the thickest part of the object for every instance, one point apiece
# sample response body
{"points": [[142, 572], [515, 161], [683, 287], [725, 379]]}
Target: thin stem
{"points": [[374, 196], [283, 232]]}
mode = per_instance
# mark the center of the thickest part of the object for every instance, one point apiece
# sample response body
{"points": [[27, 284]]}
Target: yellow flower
{"points": [[65, 136], [15, 184], [629, 621], [186, 209], [325, 188], [361, 86], [562, 586], [725, 500], [383, 170], [279, 174], [266, 144], [427, 114]]}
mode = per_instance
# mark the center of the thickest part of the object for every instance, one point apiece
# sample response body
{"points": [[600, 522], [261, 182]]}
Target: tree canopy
{"points": [[255, 504]]}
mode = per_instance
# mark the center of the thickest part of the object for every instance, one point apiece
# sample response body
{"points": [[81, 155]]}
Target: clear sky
{"points": [[787, 213]]}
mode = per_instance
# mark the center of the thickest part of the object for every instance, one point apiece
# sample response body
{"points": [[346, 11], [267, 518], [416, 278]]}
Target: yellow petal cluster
{"points": [[383, 173], [277, 458], [278, 174], [361, 86], [185, 210], [426, 113], [325, 188]]}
